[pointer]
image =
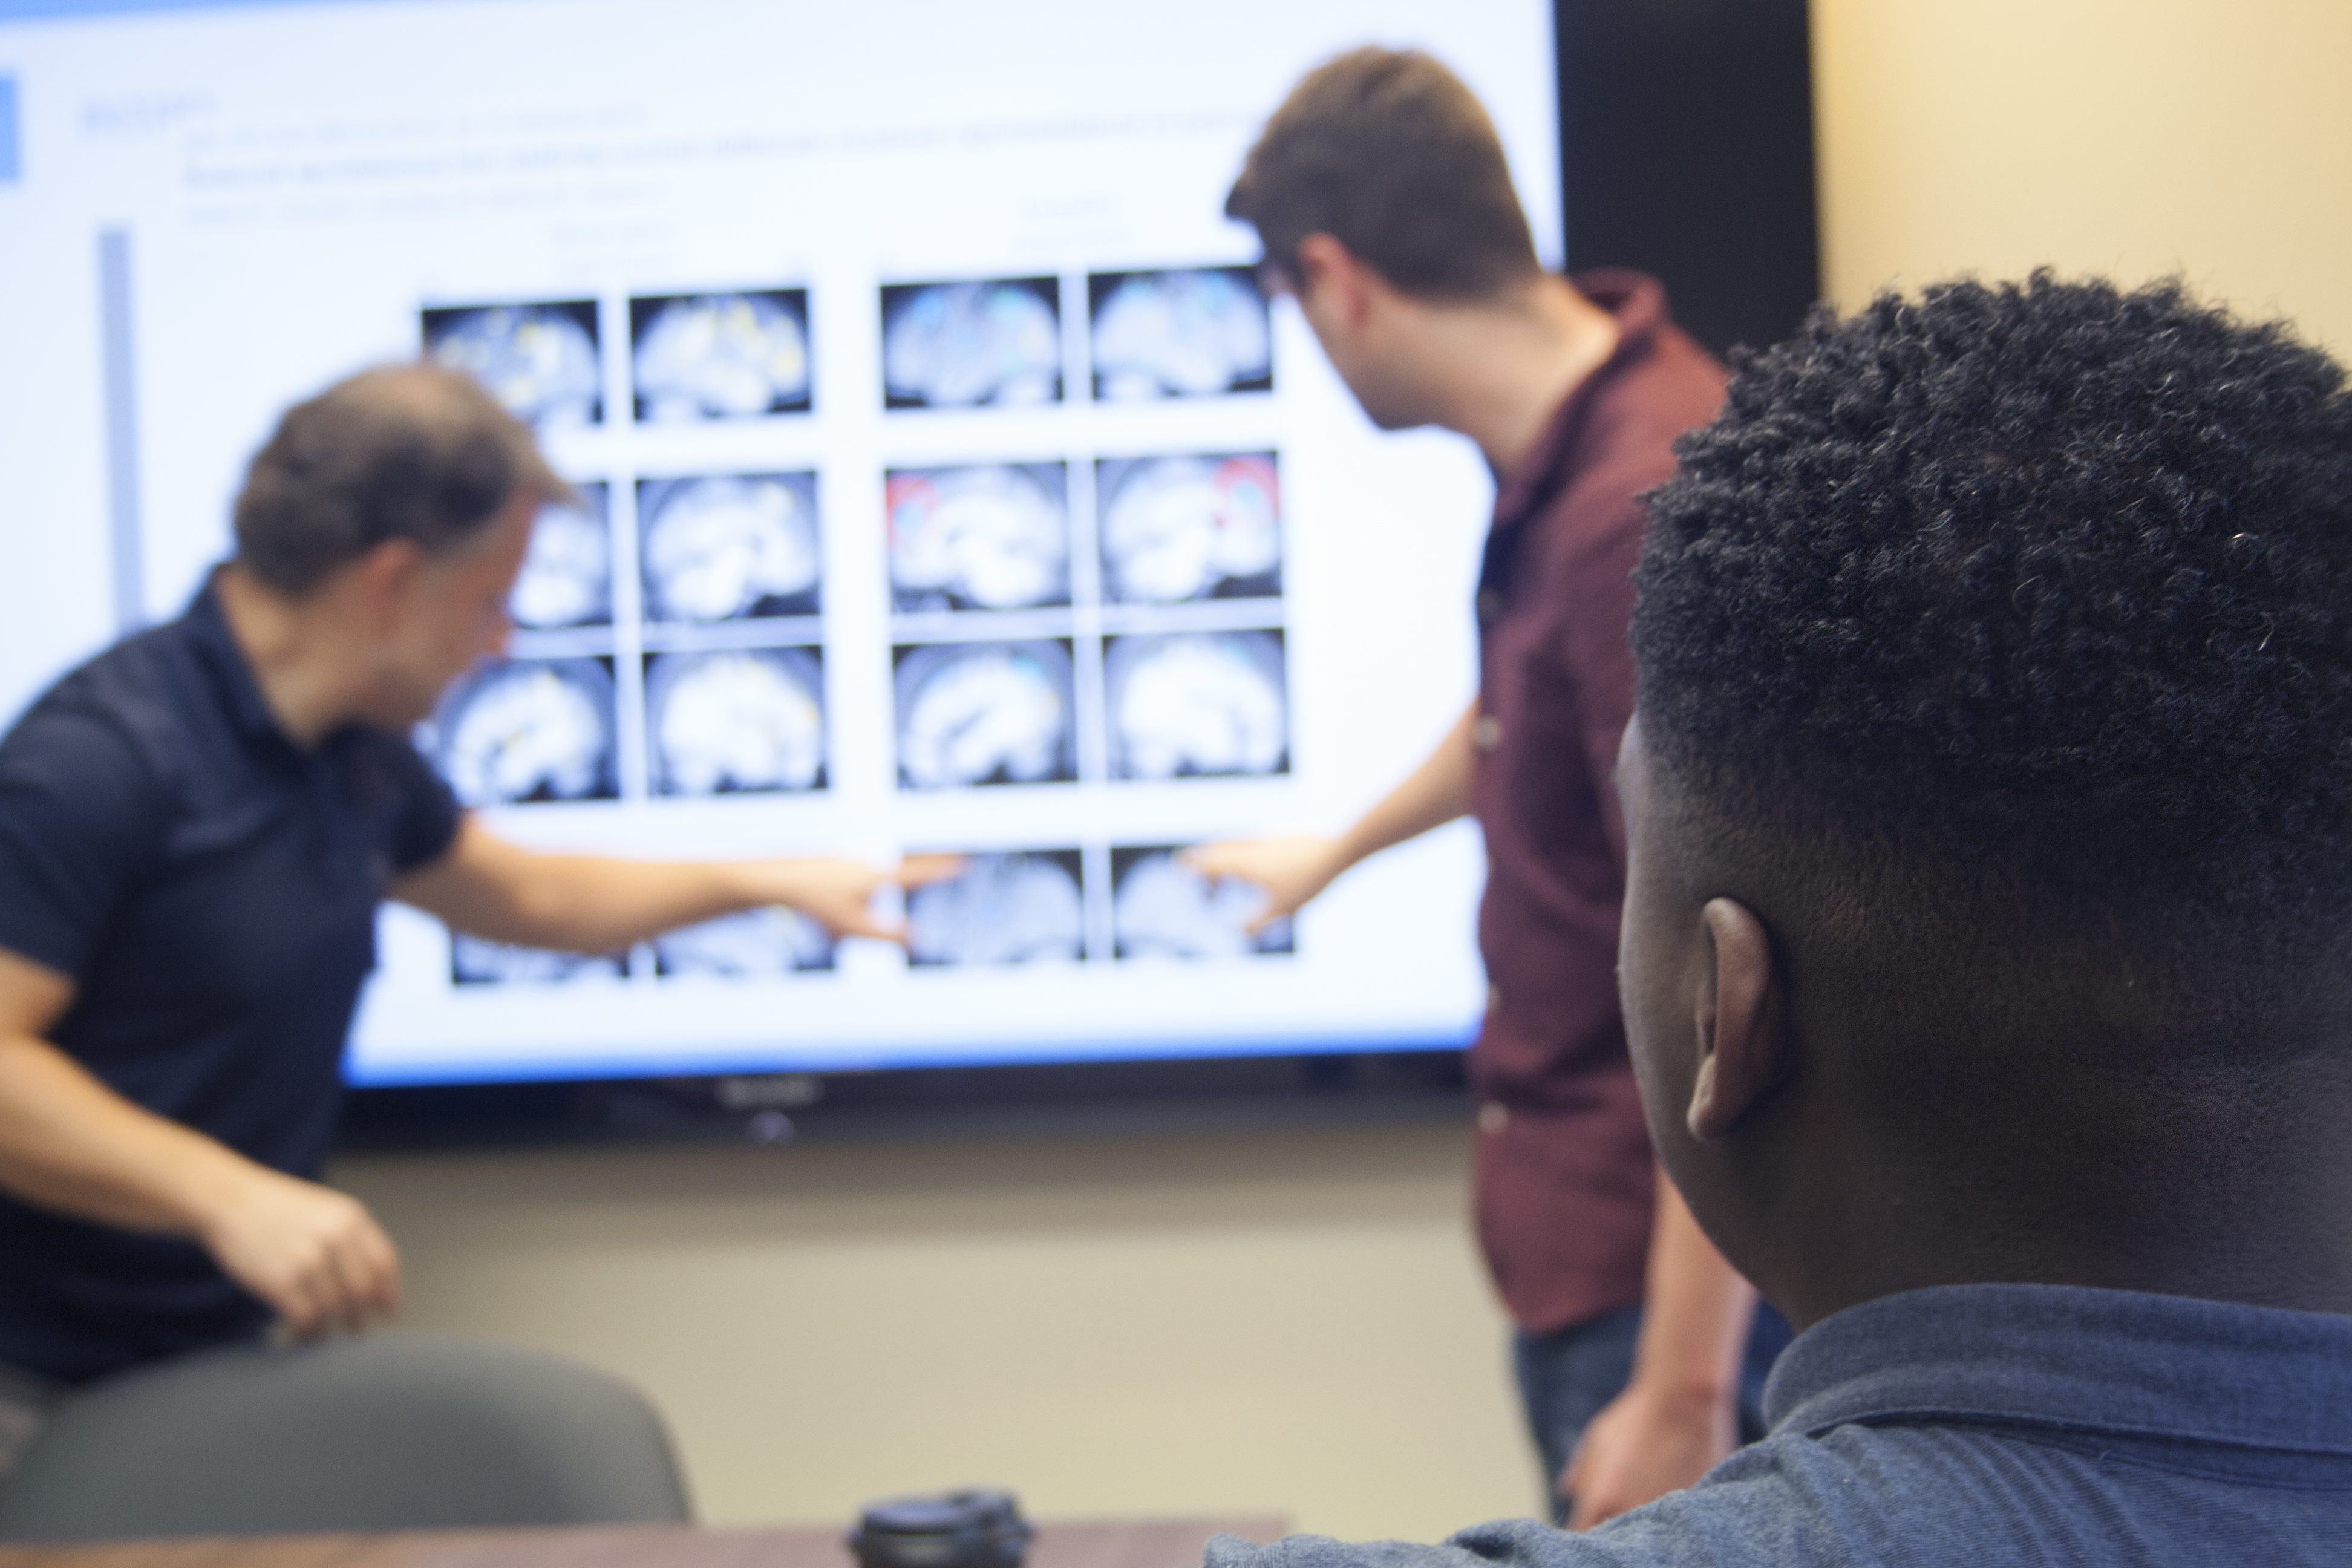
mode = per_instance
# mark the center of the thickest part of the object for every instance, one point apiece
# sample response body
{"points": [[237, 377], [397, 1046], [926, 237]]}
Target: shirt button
{"points": [[1493, 1117], [1487, 733], [1490, 606]]}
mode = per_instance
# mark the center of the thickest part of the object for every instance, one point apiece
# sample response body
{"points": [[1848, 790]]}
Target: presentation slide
{"points": [[946, 482]]}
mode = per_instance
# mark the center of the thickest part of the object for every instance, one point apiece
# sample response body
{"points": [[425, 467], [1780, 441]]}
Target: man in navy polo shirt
{"points": [[195, 830]]}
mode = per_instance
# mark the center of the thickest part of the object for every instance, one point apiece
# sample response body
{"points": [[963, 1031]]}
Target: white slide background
{"points": [[297, 182]]}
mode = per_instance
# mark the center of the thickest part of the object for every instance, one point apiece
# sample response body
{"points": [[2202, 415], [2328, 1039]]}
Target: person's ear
{"points": [[1742, 1029], [386, 577]]}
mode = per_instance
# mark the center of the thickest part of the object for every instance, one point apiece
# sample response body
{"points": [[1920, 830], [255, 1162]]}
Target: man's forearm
{"points": [[69, 1142], [579, 903], [590, 903], [1431, 795]]}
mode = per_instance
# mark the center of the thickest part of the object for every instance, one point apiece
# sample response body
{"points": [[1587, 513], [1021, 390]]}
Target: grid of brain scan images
{"points": [[692, 358], [1186, 642], [1066, 618], [1135, 599], [724, 663], [1190, 331], [703, 675], [1029, 906]]}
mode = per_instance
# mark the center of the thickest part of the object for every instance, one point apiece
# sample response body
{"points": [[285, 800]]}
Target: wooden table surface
{"points": [[1072, 1543]]}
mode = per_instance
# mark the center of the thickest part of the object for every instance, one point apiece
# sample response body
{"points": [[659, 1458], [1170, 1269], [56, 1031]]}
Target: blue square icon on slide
{"points": [[11, 166]]}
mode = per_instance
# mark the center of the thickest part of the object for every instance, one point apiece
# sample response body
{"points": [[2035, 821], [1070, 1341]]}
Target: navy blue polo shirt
{"points": [[211, 888]]}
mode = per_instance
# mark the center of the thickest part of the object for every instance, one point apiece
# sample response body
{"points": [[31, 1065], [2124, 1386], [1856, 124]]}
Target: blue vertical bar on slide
{"points": [[12, 144], [121, 429]]}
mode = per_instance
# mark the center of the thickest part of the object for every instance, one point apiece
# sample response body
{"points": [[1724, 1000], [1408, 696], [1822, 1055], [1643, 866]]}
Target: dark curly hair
{"points": [[2037, 597]]}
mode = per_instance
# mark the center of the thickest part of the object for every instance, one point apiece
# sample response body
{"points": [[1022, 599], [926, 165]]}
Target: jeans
{"points": [[1568, 1375]]}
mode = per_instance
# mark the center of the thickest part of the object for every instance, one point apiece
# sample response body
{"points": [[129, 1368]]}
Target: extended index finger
{"points": [[916, 870], [864, 923], [1217, 860]]}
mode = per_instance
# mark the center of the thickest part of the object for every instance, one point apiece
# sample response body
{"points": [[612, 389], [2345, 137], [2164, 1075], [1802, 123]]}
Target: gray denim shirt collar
{"points": [[2081, 1359]]}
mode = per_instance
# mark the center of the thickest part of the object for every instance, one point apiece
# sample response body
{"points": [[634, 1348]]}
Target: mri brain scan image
{"points": [[994, 538], [1191, 527], [984, 713], [1196, 703], [529, 730], [1192, 333], [567, 577], [961, 345], [1161, 908], [473, 961], [716, 548], [720, 356], [1004, 908], [538, 361], [756, 944], [736, 720]]}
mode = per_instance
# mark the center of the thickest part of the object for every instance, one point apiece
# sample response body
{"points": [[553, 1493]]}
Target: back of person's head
{"points": [[1998, 645], [1389, 153], [407, 451]]}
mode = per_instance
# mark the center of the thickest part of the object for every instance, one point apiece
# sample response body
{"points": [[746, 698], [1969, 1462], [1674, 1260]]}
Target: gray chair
{"points": [[389, 1431]]}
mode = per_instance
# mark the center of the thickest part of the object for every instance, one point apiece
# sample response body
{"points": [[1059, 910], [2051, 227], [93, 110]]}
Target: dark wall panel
{"points": [[1686, 133]]}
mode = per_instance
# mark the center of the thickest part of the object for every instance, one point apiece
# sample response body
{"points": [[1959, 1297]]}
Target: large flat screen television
{"points": [[945, 483]]}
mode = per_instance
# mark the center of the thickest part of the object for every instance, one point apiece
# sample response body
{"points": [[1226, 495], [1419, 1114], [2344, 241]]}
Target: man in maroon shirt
{"points": [[1385, 207]]}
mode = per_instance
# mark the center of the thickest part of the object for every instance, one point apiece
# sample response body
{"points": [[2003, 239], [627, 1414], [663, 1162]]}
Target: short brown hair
{"points": [[1389, 153], [403, 451]]}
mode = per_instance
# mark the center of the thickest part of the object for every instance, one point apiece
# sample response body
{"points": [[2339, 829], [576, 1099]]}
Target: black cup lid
{"points": [[976, 1522], [936, 1513]]}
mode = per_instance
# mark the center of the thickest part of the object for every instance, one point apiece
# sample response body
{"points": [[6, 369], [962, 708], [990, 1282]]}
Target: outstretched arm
{"points": [[486, 887], [1293, 870], [69, 1142], [1679, 1418]]}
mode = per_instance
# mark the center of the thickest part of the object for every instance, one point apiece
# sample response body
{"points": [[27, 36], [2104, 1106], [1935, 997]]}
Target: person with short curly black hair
{"points": [[1990, 800]]}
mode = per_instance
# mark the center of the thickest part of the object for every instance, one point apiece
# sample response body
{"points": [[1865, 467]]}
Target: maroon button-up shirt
{"points": [[1564, 1168]]}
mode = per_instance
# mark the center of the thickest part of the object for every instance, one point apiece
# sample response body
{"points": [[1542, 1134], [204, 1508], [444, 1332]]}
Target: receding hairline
{"points": [[411, 451], [437, 396]]}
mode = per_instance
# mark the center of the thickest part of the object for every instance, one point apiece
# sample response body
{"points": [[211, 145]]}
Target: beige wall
{"points": [[1287, 1322], [1297, 1322], [2128, 137]]}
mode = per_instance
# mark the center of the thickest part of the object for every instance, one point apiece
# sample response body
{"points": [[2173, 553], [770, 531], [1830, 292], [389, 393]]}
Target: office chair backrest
{"points": [[384, 1432]]}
